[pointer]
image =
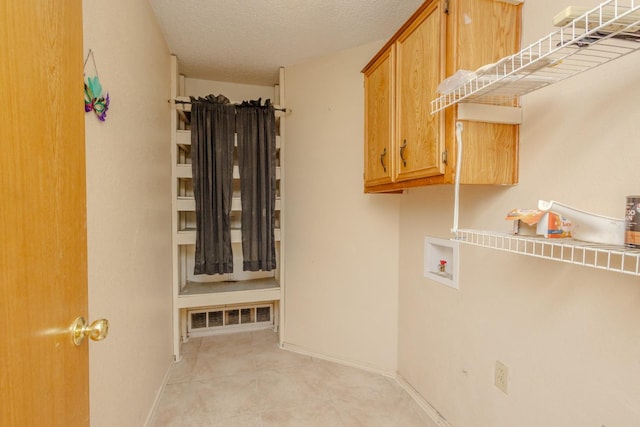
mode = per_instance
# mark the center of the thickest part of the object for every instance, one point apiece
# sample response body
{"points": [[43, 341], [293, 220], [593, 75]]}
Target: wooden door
{"points": [[378, 104], [420, 58], [43, 255]]}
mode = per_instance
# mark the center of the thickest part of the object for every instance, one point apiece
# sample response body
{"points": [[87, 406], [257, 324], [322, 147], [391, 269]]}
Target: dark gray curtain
{"points": [[256, 132], [212, 135]]}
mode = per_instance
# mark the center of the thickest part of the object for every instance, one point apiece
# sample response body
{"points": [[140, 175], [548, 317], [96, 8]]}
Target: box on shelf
{"points": [[544, 223]]}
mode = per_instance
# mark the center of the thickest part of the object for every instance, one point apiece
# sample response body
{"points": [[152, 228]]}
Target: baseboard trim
{"points": [[428, 409], [431, 412], [156, 400], [366, 367]]}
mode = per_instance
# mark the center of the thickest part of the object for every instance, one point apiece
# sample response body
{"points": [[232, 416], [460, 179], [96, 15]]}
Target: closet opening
{"points": [[238, 300]]}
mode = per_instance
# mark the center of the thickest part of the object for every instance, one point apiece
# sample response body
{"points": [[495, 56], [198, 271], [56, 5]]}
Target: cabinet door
{"points": [[490, 150], [378, 93], [419, 138]]}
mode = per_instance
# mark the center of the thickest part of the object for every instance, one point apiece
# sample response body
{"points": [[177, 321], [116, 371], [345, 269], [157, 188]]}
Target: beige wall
{"points": [[568, 334], [354, 285], [341, 245], [234, 91], [129, 212]]}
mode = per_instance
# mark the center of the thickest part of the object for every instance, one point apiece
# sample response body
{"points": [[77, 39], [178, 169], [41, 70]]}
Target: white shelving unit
{"points": [[605, 257], [586, 39], [600, 35], [233, 290]]}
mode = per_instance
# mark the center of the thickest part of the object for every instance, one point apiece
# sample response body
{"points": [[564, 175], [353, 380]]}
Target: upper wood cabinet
{"points": [[406, 145], [378, 124], [419, 71]]}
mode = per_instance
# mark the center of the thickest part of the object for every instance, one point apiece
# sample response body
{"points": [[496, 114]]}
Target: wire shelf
{"points": [[600, 35], [606, 257]]}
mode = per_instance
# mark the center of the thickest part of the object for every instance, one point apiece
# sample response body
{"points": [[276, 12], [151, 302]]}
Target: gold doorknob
{"points": [[97, 331]]}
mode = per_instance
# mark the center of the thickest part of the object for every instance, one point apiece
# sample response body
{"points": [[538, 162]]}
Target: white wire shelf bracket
{"points": [[606, 257], [600, 35]]}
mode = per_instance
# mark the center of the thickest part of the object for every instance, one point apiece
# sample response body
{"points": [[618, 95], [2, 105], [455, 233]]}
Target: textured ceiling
{"points": [[246, 41]]}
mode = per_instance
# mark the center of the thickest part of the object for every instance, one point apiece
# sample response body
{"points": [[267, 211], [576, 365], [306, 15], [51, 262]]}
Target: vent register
{"points": [[210, 320]]}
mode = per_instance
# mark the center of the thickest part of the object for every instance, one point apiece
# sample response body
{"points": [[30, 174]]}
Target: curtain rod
{"points": [[177, 101]]}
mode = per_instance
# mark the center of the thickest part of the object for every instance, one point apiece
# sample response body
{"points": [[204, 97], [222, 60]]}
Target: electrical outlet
{"points": [[502, 377]]}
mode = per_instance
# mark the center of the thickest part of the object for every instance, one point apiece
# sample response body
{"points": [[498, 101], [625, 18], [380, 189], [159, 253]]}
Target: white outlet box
{"points": [[441, 261]]}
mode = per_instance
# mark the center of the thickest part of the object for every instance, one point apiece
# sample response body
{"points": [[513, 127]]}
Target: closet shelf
{"points": [[183, 139], [220, 293], [188, 236], [606, 257], [599, 35], [184, 171], [188, 204]]}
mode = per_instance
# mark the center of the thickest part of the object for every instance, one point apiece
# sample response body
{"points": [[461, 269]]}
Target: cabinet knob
{"points": [[402, 148]]}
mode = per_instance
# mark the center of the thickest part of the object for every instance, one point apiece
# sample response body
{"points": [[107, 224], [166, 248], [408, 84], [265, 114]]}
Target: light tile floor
{"points": [[245, 379]]}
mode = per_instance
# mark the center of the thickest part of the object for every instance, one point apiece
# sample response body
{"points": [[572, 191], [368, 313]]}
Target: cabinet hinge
{"points": [[445, 153], [446, 9]]}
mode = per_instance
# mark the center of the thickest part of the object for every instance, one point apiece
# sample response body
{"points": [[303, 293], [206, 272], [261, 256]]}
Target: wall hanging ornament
{"points": [[93, 99]]}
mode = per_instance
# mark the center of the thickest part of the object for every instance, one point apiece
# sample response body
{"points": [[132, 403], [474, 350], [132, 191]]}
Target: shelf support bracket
{"points": [[489, 113], [456, 198]]}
